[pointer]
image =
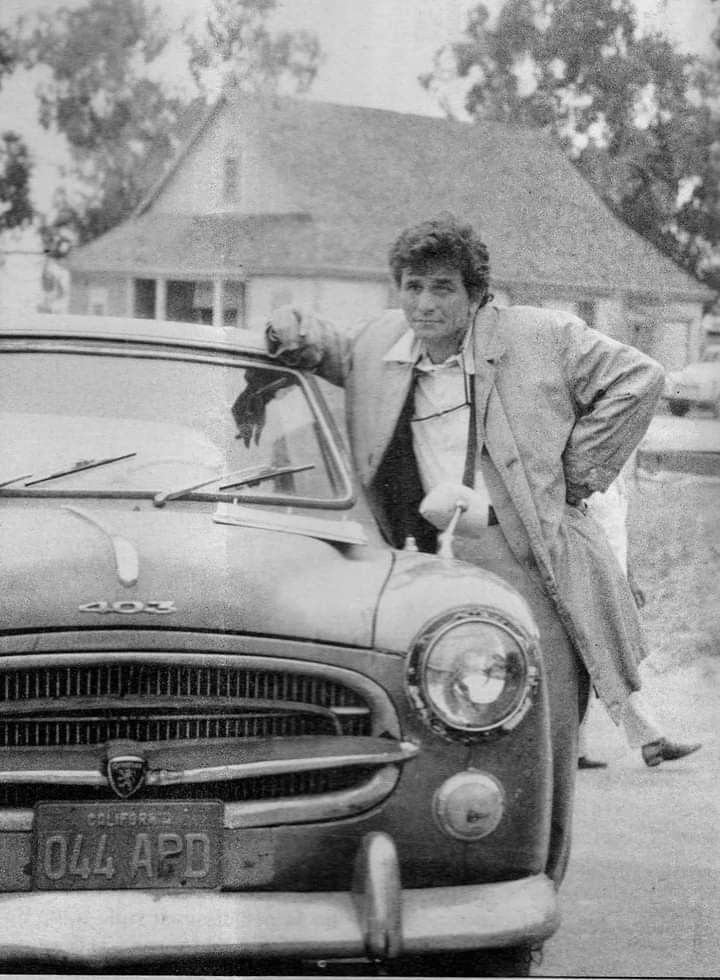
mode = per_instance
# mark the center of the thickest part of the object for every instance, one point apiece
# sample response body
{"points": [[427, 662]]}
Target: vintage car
{"points": [[236, 725], [695, 386]]}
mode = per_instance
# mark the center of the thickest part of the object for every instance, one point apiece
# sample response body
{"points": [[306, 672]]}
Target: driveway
{"points": [[642, 895], [690, 445]]}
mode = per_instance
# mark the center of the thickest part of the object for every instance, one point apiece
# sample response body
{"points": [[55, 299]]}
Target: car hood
{"points": [[96, 564]]}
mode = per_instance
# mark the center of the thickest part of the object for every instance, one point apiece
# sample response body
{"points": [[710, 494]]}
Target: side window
{"points": [[231, 179]]}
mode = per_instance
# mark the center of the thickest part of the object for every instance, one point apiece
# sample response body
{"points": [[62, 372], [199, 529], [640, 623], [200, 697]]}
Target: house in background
{"points": [[295, 201]]}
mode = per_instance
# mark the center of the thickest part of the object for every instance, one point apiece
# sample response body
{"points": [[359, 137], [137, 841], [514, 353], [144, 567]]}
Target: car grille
{"points": [[287, 785], [90, 704]]}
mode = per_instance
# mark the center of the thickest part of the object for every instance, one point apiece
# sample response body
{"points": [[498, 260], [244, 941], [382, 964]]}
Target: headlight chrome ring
{"points": [[472, 672]]}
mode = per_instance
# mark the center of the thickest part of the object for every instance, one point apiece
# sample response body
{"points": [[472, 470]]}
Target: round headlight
{"points": [[473, 673]]}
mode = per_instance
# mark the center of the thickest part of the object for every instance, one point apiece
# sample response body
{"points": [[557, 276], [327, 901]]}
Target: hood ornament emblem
{"points": [[126, 774], [127, 563]]}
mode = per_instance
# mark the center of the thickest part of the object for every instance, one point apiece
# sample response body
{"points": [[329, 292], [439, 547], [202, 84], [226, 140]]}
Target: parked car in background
{"points": [[695, 386], [234, 724]]}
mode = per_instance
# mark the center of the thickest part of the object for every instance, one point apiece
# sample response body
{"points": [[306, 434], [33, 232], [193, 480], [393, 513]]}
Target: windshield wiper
{"points": [[5, 481], [240, 478], [85, 464]]}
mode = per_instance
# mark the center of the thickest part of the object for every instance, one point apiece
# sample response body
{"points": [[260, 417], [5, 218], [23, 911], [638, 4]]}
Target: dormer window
{"points": [[231, 180]]}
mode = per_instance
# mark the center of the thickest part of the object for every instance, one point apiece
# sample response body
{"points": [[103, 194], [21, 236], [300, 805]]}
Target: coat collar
{"points": [[488, 343], [409, 349]]}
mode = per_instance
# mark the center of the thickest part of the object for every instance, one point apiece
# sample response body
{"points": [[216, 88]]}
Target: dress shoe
{"points": [[661, 750], [585, 762]]}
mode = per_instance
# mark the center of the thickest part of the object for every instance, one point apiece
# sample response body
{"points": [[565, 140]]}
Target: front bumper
{"points": [[377, 919]]}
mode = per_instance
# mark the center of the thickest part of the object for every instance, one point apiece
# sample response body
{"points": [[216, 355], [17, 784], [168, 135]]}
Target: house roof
{"points": [[357, 176]]}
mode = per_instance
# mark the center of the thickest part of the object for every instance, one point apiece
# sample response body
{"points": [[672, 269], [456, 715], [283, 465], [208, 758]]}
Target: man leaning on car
{"points": [[519, 414]]}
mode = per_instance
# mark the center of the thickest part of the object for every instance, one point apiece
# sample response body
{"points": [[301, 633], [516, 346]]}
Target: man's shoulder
{"points": [[536, 316], [536, 327]]}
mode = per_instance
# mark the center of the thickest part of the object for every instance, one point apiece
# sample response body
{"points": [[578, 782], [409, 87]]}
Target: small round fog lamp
{"points": [[469, 805]]}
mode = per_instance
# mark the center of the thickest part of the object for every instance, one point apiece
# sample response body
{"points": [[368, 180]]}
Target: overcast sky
{"points": [[374, 51]]}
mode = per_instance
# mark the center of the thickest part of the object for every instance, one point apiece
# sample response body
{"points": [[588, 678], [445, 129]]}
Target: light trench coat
{"points": [[560, 407]]}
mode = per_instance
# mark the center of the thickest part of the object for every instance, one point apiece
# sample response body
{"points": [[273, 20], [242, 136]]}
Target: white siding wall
{"points": [[559, 303], [20, 282], [29, 280], [345, 301], [669, 344], [670, 333], [500, 297], [88, 293], [610, 318]]}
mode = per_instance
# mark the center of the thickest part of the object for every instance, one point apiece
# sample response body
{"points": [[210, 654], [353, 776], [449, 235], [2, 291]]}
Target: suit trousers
{"points": [[566, 678]]}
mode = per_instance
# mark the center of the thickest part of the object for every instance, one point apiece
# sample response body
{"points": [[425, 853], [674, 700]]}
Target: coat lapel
{"points": [[383, 403], [391, 399]]}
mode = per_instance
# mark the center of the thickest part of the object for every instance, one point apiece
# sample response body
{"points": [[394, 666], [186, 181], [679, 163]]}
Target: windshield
{"points": [[81, 422]]}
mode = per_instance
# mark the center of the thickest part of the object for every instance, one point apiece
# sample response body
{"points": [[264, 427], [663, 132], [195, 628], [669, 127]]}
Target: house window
{"points": [[231, 180], [586, 311], [179, 302], [144, 298], [193, 301], [98, 300]]}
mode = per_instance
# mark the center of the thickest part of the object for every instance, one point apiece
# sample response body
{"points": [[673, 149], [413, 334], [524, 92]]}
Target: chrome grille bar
{"points": [[375, 755]]}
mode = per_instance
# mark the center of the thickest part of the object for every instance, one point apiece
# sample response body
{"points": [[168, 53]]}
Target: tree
{"points": [[637, 116], [106, 96], [238, 49], [15, 163], [118, 122], [15, 167]]}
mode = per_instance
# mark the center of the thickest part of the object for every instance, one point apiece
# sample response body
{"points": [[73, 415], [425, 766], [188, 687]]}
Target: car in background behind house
{"points": [[695, 386]]}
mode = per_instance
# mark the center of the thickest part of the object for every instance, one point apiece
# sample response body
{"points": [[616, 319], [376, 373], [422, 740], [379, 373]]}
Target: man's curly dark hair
{"points": [[444, 239]]}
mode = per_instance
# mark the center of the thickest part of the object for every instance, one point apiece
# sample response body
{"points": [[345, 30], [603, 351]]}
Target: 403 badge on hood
{"points": [[130, 607]]}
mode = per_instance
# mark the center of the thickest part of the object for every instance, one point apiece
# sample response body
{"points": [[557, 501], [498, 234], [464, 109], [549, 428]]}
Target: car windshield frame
{"points": [[330, 442]]}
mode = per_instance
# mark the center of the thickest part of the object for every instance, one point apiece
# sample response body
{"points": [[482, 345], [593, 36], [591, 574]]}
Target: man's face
{"points": [[436, 304]]}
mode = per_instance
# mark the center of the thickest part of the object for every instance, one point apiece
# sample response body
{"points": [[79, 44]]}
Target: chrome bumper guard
{"points": [[378, 920]]}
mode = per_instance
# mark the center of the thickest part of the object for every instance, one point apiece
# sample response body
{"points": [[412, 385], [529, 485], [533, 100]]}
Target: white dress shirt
{"points": [[441, 413]]}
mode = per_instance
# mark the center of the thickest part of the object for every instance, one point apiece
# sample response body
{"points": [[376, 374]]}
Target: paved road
{"points": [[642, 895]]}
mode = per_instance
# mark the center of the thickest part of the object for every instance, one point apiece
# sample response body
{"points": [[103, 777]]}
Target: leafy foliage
{"points": [[15, 168], [639, 118], [8, 53], [103, 91], [119, 124], [15, 162], [239, 50]]}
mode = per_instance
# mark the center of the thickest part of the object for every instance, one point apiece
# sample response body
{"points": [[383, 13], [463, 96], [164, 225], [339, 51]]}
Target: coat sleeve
{"points": [[300, 338], [615, 389]]}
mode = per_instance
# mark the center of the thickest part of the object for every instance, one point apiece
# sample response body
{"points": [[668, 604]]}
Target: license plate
{"points": [[127, 845]]}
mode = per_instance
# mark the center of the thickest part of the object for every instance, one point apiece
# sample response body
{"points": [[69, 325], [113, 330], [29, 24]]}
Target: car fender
{"points": [[423, 586]]}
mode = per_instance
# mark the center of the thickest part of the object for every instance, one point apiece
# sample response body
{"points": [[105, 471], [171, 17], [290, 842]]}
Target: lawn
{"points": [[674, 528]]}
